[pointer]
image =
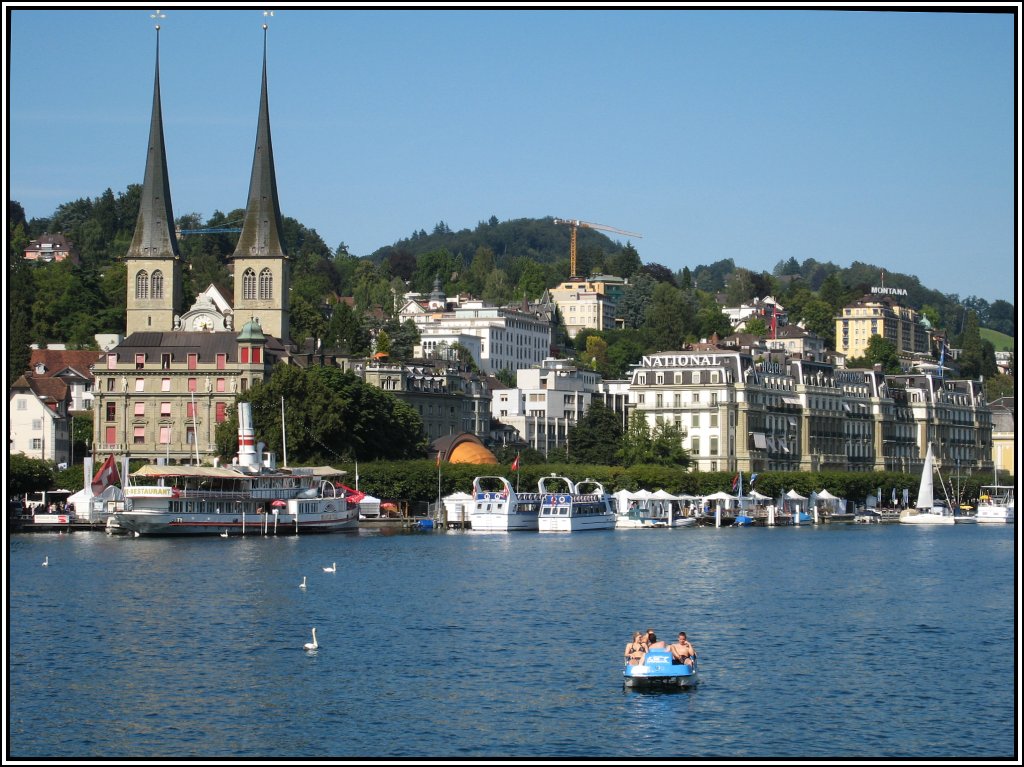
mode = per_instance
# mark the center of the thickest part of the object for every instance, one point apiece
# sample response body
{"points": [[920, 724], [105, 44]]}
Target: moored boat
{"points": [[568, 507], [497, 507], [251, 496], [996, 505], [927, 511], [657, 670]]}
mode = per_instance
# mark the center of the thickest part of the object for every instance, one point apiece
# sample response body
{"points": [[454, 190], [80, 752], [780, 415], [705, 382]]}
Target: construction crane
{"points": [[575, 224]]}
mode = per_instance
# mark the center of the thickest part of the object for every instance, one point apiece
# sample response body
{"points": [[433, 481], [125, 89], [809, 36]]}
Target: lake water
{"points": [[839, 641]]}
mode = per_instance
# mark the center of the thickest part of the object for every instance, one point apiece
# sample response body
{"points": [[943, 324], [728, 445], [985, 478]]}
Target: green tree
{"points": [[383, 342], [756, 325], [667, 446], [669, 316], [27, 475], [596, 437], [632, 307], [595, 353], [636, 442], [879, 351]]}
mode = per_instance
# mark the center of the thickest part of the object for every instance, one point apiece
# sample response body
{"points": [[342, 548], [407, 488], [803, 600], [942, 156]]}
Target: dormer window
{"points": [[40, 368]]}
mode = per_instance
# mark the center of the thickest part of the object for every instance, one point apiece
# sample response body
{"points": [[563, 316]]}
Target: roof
{"points": [[44, 387], [188, 341], [58, 361]]}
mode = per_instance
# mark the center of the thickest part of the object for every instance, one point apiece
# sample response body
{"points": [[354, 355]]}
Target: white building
{"points": [[509, 339], [38, 419], [547, 400]]}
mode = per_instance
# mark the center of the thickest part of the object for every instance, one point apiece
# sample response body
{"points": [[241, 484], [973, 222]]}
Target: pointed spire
{"points": [[261, 230], [154, 228]]}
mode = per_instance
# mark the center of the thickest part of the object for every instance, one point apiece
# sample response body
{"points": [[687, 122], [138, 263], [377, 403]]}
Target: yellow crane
{"points": [[575, 223]]}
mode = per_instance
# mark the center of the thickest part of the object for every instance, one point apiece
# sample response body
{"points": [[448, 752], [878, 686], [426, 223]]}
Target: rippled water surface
{"points": [[836, 641]]}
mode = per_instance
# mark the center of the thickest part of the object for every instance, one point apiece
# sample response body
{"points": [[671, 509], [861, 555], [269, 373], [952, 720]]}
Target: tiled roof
{"points": [[60, 360], [46, 388], [207, 345]]}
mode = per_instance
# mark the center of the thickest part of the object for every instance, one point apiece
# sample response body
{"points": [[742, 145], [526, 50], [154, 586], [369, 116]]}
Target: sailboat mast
{"points": [[284, 438]]}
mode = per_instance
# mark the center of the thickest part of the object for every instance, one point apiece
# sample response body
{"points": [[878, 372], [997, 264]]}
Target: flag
{"points": [[735, 481], [942, 355], [753, 478], [106, 476], [515, 463], [894, 496]]}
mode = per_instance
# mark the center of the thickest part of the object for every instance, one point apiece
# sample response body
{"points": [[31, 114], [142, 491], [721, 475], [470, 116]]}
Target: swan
{"points": [[311, 645], [303, 584], [332, 569], [46, 561], [224, 534]]}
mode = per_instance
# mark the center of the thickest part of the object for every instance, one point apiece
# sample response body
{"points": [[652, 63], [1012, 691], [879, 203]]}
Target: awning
{"points": [[759, 441], [846, 407], [791, 400]]}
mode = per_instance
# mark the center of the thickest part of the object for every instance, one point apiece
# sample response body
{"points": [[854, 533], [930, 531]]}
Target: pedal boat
{"points": [[657, 671]]}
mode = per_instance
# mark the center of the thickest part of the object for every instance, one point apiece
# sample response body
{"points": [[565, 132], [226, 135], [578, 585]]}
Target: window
{"points": [[220, 385], [190, 410], [37, 444], [165, 409], [695, 420], [165, 435], [696, 396], [111, 361], [140, 409], [190, 435], [111, 411], [222, 360], [249, 285], [37, 424], [140, 384], [193, 360], [714, 419], [139, 435], [192, 384], [140, 361], [266, 285], [165, 384], [243, 354], [165, 361], [221, 414], [141, 285], [22, 404], [245, 384], [714, 446], [111, 435], [110, 384], [156, 284], [256, 355], [695, 445]]}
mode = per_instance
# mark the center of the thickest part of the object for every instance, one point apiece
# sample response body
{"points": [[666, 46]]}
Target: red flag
{"points": [[515, 463], [106, 476], [735, 481]]}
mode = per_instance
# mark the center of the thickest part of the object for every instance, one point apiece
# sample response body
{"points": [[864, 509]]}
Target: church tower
{"points": [[261, 269], [153, 261]]}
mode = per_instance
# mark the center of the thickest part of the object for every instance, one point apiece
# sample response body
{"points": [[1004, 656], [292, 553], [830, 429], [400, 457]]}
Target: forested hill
{"points": [[537, 239]]}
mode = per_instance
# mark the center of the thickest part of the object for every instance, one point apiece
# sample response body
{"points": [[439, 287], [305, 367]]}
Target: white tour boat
{"points": [[250, 497], [497, 507], [997, 504], [568, 507]]}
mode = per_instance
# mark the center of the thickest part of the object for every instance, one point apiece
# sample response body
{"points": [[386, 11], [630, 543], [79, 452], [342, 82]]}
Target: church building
{"points": [[161, 392]]}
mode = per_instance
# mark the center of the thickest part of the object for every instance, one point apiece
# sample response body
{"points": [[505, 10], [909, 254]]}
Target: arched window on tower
{"points": [[141, 284], [266, 285], [156, 284], [249, 285]]}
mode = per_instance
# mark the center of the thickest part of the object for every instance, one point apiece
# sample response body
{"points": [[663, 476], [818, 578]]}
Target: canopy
{"points": [[641, 495], [720, 496], [825, 495], [793, 495], [759, 496], [661, 495]]}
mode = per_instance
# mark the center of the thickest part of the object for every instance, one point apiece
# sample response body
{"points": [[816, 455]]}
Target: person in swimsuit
{"points": [[635, 650], [653, 643], [682, 651]]}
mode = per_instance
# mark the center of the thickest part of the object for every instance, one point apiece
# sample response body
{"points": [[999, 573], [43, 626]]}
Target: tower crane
{"points": [[575, 224]]}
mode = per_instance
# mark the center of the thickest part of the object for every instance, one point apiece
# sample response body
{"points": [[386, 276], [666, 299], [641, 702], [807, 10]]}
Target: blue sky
{"points": [[841, 135]]}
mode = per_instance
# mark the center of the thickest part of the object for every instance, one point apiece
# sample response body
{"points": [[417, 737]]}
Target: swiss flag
{"points": [[106, 476], [515, 464]]}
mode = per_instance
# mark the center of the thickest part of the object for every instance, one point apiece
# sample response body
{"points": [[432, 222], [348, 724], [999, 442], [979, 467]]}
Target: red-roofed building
{"points": [[74, 368], [52, 247], [40, 426]]}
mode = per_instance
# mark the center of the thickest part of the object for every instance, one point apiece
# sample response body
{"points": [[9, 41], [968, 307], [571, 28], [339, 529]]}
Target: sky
{"points": [[843, 135]]}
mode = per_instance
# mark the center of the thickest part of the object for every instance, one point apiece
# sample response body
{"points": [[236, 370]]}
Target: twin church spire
{"points": [[261, 273]]}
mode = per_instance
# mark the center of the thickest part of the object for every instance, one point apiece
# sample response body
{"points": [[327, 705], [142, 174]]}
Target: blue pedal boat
{"points": [[657, 671]]}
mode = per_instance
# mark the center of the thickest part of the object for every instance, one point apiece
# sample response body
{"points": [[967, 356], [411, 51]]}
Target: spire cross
{"points": [[158, 16], [267, 14]]}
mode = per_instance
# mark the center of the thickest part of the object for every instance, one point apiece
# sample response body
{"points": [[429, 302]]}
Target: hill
{"points": [[1001, 341]]}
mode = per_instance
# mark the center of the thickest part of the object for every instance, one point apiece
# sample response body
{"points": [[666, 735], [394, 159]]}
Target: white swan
{"points": [[224, 534], [303, 584], [311, 645], [46, 561], [332, 569]]}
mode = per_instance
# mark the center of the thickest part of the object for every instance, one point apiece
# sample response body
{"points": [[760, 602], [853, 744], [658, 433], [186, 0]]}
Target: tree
{"points": [[667, 446], [632, 307], [27, 475], [383, 342], [740, 288], [879, 351], [669, 316], [596, 437], [756, 326], [636, 442]]}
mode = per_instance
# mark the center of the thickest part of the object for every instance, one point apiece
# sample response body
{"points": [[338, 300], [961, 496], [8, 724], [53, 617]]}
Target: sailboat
{"points": [[926, 511]]}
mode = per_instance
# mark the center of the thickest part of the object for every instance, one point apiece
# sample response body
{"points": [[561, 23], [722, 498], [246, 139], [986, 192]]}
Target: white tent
{"points": [[719, 496], [793, 495], [825, 495], [369, 507], [457, 507], [759, 496]]}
